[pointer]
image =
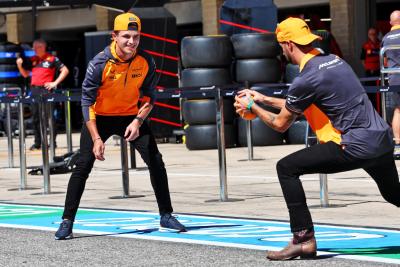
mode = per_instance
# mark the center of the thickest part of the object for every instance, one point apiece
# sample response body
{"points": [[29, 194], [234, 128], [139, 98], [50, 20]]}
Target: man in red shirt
{"points": [[44, 67], [370, 59], [370, 54]]}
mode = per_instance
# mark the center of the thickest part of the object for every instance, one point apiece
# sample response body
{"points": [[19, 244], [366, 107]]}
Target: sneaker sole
{"points": [[170, 230], [64, 238]]}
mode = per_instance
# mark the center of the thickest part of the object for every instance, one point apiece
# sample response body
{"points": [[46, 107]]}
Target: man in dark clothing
{"points": [[339, 112], [110, 95], [393, 61]]}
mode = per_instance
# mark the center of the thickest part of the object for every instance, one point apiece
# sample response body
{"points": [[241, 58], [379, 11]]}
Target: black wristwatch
{"points": [[139, 119]]}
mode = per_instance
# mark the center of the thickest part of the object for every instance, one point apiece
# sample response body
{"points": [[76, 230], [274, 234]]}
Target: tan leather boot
{"points": [[304, 250]]}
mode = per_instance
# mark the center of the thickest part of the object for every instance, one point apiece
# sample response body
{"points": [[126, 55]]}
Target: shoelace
{"points": [[64, 224]]}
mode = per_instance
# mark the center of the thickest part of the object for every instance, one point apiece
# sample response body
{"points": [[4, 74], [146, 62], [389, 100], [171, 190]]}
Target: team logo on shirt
{"points": [[136, 75], [329, 63], [46, 64]]}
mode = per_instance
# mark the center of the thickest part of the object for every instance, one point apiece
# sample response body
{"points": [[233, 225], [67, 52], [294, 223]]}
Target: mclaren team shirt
{"points": [[393, 56], [337, 108]]}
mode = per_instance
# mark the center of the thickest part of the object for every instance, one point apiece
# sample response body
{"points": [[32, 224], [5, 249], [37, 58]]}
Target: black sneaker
{"points": [[34, 147], [65, 230], [169, 223]]}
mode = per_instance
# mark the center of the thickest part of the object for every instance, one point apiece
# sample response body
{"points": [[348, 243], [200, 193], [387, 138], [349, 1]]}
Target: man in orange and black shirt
{"points": [[44, 67], [350, 132], [110, 95]]}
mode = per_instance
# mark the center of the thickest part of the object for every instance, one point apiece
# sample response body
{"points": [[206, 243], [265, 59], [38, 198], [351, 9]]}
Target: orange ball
{"points": [[247, 115]]}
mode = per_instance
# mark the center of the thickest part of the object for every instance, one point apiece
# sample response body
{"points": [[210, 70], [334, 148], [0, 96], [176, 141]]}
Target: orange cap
{"points": [[295, 30], [127, 22]]}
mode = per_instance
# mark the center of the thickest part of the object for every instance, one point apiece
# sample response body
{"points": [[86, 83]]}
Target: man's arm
{"points": [[24, 72], [279, 122], [63, 74], [132, 131], [275, 102]]}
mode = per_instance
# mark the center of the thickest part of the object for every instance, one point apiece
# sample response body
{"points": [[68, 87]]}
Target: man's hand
{"points": [[132, 131], [50, 85], [257, 97], [19, 61], [98, 149], [242, 101]]}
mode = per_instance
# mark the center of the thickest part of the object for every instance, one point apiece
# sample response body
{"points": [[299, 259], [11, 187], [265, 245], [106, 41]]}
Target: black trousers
{"points": [[37, 92], [331, 158], [145, 144], [36, 122]]}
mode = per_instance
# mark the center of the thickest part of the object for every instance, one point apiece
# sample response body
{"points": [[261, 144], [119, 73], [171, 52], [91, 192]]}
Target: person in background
{"points": [[44, 67], [370, 60], [370, 53], [114, 81], [393, 61]]}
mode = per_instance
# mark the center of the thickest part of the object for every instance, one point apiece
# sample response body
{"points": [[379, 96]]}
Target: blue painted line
{"points": [[244, 233]]}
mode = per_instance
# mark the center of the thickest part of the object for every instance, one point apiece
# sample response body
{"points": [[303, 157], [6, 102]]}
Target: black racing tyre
{"points": [[203, 111], [262, 135], [201, 77], [9, 53], [199, 137], [10, 74], [255, 45], [296, 134], [265, 70], [206, 51], [292, 71]]}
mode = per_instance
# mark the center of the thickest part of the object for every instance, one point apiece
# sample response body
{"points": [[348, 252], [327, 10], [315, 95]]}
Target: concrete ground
{"points": [[354, 198]]}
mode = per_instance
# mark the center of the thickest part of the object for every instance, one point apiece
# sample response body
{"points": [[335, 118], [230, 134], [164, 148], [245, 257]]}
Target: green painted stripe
{"points": [[388, 252]]}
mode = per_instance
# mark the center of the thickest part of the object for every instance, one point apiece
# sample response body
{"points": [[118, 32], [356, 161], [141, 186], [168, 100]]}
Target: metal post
{"points": [[323, 191], [249, 133], [49, 110], [133, 156], [67, 112], [323, 177], [22, 156], [125, 172], [249, 136], [221, 144], [9, 137], [45, 154]]}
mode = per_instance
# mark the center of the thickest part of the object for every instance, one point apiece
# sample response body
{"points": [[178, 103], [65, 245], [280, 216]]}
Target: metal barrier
{"points": [[67, 113], [9, 137], [218, 93], [125, 172]]}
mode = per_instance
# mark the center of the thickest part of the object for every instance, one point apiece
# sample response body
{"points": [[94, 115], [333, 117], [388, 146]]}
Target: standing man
{"points": [[330, 95], [370, 54], [393, 61], [114, 80], [370, 59], [44, 67]]}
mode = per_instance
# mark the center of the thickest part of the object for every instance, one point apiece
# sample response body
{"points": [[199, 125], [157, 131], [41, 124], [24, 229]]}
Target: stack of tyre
{"points": [[9, 74], [296, 134], [10, 80], [206, 61], [257, 62]]}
